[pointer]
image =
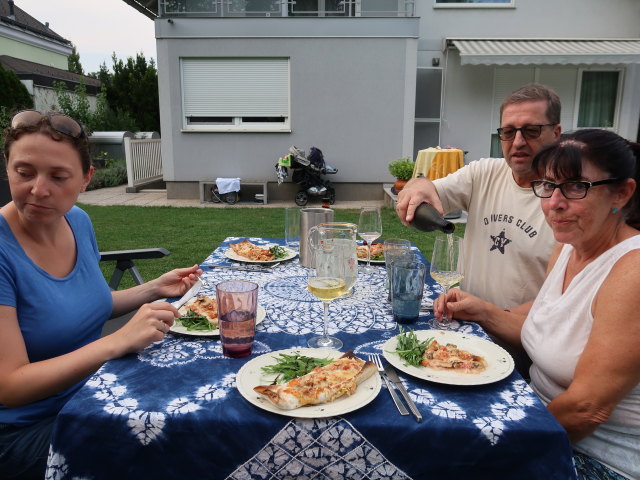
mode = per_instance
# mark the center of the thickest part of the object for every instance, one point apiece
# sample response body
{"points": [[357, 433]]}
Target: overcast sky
{"points": [[97, 28]]}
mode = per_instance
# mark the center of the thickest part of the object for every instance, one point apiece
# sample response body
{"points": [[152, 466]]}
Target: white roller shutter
{"points": [[235, 87]]}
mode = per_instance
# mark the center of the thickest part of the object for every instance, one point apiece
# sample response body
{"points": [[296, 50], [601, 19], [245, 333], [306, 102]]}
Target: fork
{"points": [[377, 361]]}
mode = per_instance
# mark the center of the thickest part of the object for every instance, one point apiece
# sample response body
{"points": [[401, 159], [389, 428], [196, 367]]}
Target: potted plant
{"points": [[402, 169]]}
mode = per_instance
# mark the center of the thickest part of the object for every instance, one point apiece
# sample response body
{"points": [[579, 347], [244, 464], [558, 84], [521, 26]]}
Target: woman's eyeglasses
{"points": [[60, 122], [530, 132], [574, 190]]}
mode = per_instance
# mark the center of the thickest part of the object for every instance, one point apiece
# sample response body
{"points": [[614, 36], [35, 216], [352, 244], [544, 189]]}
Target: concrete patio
{"points": [[158, 198]]}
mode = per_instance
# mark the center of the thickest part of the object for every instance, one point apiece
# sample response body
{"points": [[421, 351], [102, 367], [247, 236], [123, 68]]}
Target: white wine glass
{"points": [[446, 266], [369, 229], [327, 282]]}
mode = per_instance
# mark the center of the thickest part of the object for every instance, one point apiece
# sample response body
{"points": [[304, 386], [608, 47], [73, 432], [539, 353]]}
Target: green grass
{"points": [[191, 234]]}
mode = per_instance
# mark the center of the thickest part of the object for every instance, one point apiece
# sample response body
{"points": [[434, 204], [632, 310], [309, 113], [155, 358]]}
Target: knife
{"points": [[239, 267], [189, 295], [393, 376]]}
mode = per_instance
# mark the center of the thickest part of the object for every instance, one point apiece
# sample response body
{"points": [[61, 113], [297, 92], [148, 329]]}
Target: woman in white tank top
{"points": [[583, 330]]}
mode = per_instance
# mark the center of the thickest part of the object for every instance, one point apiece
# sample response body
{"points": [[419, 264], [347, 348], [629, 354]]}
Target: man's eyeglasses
{"points": [[574, 190], [530, 132], [60, 122]]}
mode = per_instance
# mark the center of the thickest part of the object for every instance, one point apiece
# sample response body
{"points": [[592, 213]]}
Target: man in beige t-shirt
{"points": [[507, 241]]}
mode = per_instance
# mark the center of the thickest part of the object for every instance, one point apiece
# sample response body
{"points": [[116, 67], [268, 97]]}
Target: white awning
{"points": [[546, 51]]}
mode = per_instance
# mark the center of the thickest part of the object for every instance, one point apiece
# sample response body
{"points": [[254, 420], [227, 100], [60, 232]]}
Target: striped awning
{"points": [[546, 51]]}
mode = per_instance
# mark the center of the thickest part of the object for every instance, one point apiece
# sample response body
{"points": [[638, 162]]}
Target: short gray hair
{"points": [[534, 92]]}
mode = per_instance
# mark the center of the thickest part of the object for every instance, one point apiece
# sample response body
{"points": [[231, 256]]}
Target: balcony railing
{"points": [[287, 8]]}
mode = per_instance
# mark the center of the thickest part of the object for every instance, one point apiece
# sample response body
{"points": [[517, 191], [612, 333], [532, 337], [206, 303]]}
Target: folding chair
{"points": [[125, 261]]}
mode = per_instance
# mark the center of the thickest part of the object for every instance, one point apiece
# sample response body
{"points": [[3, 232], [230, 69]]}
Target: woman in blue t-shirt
{"points": [[54, 299]]}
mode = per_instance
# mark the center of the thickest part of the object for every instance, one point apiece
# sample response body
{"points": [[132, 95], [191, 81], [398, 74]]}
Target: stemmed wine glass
{"points": [[446, 265], [327, 282], [369, 229]]}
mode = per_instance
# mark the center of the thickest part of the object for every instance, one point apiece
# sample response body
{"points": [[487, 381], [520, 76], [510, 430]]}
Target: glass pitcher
{"points": [[342, 236]]}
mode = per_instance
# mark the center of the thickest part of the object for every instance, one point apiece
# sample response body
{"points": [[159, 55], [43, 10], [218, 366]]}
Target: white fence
{"points": [[144, 161]]}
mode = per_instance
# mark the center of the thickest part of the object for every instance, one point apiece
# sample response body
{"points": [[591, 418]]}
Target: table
{"points": [[438, 162], [172, 410]]}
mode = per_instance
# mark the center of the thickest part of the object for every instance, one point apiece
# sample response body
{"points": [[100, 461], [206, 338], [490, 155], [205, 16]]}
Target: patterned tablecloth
{"points": [[173, 411]]}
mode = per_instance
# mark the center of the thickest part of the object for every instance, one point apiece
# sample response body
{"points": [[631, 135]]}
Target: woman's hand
{"points": [[504, 324], [176, 282], [150, 324], [460, 304]]}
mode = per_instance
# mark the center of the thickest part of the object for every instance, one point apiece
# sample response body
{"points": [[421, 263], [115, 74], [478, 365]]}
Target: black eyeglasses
{"points": [[574, 190], [530, 132], [60, 122]]}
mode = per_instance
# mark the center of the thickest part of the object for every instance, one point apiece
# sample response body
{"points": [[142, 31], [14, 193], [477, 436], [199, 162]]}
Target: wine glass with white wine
{"points": [[327, 282], [446, 265], [369, 229]]}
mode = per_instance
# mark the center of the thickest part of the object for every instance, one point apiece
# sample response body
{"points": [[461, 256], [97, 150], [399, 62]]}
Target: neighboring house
{"points": [[368, 81], [38, 56]]}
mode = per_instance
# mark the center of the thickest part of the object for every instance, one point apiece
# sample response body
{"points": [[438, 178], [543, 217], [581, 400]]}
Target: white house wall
{"points": [[351, 95], [470, 105]]}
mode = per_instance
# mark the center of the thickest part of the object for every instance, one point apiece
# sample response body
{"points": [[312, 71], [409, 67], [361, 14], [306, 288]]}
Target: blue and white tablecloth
{"points": [[172, 411]]}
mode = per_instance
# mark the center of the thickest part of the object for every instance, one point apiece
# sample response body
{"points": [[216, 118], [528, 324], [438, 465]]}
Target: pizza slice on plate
{"points": [[450, 357], [252, 251], [321, 385], [377, 250], [205, 306]]}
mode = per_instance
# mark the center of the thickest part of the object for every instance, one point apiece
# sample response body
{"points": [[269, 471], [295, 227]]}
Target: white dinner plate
{"points": [[238, 258], [499, 362], [261, 313], [251, 375], [373, 262]]}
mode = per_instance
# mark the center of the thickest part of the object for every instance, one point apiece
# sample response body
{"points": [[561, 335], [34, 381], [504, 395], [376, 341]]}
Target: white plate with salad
{"points": [[252, 374], [282, 254], [499, 362], [199, 328], [377, 254]]}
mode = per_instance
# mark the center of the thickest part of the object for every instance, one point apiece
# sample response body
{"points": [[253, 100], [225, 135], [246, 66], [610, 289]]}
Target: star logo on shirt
{"points": [[499, 242]]}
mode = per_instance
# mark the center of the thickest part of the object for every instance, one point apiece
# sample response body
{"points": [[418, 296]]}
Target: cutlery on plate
{"points": [[393, 376], [377, 361], [244, 268], [189, 295]]}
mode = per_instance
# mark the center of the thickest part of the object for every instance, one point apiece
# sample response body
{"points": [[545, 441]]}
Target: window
{"points": [[474, 3], [235, 94], [598, 93]]}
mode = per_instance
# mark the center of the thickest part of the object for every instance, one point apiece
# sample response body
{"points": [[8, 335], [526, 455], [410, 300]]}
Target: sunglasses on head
{"points": [[60, 122]]}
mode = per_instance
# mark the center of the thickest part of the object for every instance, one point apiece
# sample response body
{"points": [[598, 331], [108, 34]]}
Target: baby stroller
{"points": [[307, 172]]}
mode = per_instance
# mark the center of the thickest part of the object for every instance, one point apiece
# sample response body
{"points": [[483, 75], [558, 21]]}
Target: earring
{"points": [[614, 211]]}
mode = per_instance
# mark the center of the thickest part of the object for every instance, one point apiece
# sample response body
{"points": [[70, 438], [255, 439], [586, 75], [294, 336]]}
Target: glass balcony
{"points": [[287, 8]]}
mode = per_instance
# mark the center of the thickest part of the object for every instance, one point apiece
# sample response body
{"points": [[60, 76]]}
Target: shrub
{"points": [[113, 173], [401, 168]]}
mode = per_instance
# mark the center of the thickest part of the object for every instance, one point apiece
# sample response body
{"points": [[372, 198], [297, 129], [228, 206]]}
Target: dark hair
{"points": [[605, 150], [534, 92], [80, 144]]}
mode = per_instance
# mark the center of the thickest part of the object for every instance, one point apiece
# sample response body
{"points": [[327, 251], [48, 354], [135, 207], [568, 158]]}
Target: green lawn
{"points": [[190, 234]]}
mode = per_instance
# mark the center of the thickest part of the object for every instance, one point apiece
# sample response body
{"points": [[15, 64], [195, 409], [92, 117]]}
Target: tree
{"points": [[14, 96], [132, 91], [73, 62], [133, 88], [76, 104], [128, 99]]}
